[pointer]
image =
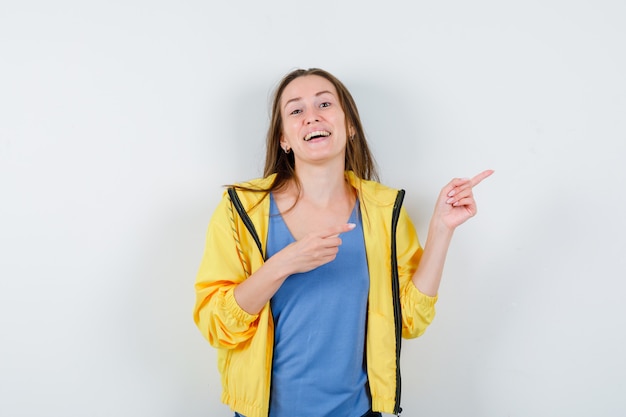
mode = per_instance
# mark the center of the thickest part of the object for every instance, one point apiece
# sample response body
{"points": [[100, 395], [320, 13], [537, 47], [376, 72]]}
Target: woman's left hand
{"points": [[456, 204]]}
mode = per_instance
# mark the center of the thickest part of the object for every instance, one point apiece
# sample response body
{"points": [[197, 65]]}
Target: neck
{"points": [[323, 185]]}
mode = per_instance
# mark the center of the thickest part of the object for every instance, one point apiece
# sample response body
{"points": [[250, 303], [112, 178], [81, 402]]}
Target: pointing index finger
{"points": [[337, 230], [478, 178]]}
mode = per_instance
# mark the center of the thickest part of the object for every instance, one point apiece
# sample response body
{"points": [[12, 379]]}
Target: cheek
{"points": [[290, 130], [340, 120]]}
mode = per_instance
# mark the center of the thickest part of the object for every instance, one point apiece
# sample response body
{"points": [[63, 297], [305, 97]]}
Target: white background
{"points": [[121, 120]]}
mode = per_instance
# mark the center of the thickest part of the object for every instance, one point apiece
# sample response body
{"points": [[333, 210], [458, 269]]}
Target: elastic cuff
{"points": [[239, 314], [422, 299]]}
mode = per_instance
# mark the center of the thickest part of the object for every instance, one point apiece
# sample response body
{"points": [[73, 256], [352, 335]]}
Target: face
{"points": [[314, 126]]}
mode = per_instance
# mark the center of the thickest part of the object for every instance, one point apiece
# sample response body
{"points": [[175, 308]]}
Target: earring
{"points": [[287, 149], [352, 132]]}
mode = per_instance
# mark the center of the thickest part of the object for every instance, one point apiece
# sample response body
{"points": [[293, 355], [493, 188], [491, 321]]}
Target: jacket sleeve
{"points": [[216, 313], [418, 309]]}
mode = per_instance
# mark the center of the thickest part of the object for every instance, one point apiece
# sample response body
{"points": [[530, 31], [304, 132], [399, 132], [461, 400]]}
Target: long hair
{"points": [[358, 156]]}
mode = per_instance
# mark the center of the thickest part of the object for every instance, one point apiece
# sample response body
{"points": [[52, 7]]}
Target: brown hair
{"points": [[358, 158]]}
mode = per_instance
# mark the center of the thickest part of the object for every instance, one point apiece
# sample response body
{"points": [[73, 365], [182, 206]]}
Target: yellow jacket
{"points": [[245, 342]]}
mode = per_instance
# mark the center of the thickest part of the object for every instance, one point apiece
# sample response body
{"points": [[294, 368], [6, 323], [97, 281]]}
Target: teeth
{"points": [[316, 134]]}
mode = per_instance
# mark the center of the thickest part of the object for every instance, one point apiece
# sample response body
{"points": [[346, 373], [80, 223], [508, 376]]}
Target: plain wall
{"points": [[121, 120]]}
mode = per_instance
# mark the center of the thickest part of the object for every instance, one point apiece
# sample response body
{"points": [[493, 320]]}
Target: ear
{"points": [[284, 144], [351, 131]]}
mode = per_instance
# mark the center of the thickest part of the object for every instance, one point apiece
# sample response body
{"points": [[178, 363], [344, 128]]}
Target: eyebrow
{"points": [[316, 95]]}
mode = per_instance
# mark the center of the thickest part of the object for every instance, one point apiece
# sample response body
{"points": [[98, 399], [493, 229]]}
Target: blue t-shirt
{"points": [[319, 366]]}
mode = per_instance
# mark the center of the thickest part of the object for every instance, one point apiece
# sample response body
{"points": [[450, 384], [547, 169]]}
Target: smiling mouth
{"points": [[317, 134]]}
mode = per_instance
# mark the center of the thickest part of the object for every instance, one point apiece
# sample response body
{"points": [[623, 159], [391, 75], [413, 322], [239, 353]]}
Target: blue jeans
{"points": [[368, 414]]}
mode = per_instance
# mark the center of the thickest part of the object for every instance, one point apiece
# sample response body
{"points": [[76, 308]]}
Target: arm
{"points": [[216, 313], [418, 309], [454, 206], [228, 301], [421, 269]]}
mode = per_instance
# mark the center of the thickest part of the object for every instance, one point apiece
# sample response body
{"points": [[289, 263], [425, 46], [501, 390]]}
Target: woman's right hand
{"points": [[313, 250], [303, 255]]}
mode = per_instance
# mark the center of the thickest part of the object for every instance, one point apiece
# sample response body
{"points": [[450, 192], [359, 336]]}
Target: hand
{"points": [[455, 204], [315, 249]]}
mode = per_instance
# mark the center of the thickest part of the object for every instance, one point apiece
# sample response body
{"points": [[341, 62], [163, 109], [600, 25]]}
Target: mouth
{"points": [[316, 135]]}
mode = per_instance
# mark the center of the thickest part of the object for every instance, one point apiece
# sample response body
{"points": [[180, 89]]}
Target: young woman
{"points": [[312, 274]]}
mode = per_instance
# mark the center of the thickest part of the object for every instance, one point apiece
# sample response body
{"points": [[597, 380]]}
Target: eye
{"points": [[296, 111], [325, 104]]}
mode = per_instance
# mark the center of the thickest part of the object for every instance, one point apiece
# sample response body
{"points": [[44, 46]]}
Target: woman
{"points": [[312, 274]]}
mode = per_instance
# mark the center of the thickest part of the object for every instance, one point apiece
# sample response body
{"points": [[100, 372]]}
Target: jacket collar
{"points": [[371, 191]]}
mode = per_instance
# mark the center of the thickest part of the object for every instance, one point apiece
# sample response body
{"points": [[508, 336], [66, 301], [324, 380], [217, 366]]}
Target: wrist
{"points": [[439, 227], [279, 268]]}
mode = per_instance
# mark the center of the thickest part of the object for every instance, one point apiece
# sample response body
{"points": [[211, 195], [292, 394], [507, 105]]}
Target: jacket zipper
{"points": [[234, 198], [395, 284], [395, 287]]}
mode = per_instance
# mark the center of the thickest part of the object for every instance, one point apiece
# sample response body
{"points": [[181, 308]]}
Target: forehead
{"points": [[307, 86]]}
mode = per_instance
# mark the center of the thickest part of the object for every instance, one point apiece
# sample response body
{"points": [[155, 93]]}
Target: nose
{"points": [[312, 118], [312, 115]]}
